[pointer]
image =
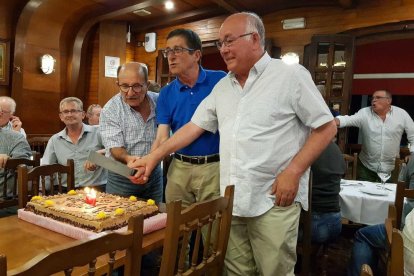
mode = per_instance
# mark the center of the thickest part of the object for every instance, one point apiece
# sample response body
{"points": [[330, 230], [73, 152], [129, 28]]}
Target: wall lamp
{"points": [[294, 23], [47, 64]]}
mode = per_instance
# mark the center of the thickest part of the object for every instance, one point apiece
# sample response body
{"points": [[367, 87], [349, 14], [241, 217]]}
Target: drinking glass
{"points": [[384, 176]]}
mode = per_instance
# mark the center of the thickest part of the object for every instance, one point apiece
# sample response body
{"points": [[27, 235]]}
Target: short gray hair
{"points": [[71, 100], [10, 101], [142, 68], [255, 24], [91, 107]]}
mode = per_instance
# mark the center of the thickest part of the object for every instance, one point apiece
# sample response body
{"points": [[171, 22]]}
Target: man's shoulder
{"points": [[114, 101]]}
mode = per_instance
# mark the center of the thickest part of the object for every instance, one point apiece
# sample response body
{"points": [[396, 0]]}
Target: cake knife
{"points": [[110, 164]]}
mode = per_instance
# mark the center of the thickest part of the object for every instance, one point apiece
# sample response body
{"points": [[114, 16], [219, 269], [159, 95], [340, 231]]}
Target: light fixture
{"points": [[290, 58], [294, 23], [169, 5], [128, 35], [47, 64]]}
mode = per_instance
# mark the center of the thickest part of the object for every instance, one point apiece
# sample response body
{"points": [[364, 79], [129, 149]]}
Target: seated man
{"points": [[12, 145], [7, 119], [408, 177], [327, 171], [371, 240], [93, 113], [75, 142]]}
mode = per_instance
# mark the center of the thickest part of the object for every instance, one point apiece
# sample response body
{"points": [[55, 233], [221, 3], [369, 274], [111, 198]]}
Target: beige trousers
{"points": [[264, 245]]}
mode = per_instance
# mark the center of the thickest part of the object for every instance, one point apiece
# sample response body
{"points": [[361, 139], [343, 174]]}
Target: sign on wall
{"points": [[111, 66]]}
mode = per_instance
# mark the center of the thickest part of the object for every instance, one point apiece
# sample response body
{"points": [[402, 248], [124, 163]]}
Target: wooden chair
{"points": [[52, 172], [38, 143], [304, 247], [10, 173], [351, 172], [181, 223], [366, 270], [396, 172], [401, 192], [395, 263], [82, 252]]}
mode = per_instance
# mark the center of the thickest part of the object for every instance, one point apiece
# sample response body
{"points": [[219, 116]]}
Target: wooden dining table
{"points": [[20, 241]]}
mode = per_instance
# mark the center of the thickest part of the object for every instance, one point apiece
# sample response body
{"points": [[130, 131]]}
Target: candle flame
{"points": [[87, 190], [92, 193]]}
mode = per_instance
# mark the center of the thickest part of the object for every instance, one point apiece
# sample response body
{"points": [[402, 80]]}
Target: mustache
{"points": [[132, 98]]}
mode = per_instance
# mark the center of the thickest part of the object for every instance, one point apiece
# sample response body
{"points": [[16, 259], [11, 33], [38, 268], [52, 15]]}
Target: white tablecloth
{"points": [[365, 208]]}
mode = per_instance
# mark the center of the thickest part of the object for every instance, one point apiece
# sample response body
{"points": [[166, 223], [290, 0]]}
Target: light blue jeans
{"points": [[369, 242]]}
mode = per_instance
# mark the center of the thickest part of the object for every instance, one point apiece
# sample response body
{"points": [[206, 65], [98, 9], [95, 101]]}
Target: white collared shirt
{"points": [[380, 139], [262, 127]]}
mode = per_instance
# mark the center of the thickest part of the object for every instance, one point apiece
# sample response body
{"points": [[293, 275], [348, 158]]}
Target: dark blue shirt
{"points": [[177, 103]]}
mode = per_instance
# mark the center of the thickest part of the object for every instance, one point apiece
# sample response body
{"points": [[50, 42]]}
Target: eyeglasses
{"points": [[378, 98], [229, 41], [72, 111], [5, 112], [136, 87], [176, 50]]}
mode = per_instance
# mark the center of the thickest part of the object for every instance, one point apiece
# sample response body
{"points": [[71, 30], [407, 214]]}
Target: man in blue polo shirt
{"points": [[194, 172]]}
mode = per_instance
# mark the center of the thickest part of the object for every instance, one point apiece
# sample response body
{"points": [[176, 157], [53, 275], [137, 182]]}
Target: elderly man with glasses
{"points": [[75, 142], [7, 118], [128, 129], [382, 126]]}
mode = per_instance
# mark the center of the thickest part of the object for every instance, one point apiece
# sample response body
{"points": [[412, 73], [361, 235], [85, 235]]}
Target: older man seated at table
{"points": [[75, 142], [12, 145]]}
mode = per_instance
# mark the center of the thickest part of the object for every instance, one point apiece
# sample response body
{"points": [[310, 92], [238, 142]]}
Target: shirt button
{"points": [[191, 93]]}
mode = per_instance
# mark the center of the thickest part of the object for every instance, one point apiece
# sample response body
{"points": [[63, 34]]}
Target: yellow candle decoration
{"points": [[150, 202], [36, 198], [72, 192], [119, 211], [133, 198], [101, 215], [49, 203]]}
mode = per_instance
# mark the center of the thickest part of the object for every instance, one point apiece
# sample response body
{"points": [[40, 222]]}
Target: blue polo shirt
{"points": [[177, 103]]}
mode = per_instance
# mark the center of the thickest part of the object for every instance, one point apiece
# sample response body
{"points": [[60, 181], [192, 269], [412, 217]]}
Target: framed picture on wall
{"points": [[4, 61]]}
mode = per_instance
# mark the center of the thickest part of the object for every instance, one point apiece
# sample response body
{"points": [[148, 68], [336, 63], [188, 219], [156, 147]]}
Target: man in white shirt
{"points": [[265, 111], [381, 126], [7, 118]]}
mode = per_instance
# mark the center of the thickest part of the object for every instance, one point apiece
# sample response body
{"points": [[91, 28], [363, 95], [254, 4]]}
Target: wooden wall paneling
{"points": [[112, 42], [92, 67]]}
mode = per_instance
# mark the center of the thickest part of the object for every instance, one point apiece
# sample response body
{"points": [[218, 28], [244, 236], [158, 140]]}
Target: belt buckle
{"points": [[194, 160]]}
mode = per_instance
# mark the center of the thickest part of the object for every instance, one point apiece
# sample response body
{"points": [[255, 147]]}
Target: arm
{"points": [[286, 184], [121, 155], [163, 132], [183, 137]]}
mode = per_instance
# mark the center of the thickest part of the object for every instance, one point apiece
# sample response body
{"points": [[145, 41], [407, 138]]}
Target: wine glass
{"points": [[384, 175]]}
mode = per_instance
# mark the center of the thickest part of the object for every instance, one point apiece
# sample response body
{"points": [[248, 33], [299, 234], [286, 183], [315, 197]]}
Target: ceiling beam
{"points": [[229, 7], [346, 4], [175, 19]]}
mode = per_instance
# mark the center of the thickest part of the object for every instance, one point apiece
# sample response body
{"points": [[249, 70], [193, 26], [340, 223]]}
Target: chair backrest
{"points": [[304, 247], [351, 165], [8, 195], [38, 178], [397, 167], [401, 192], [181, 223], [79, 253], [38, 143], [366, 270], [396, 247], [3, 265]]}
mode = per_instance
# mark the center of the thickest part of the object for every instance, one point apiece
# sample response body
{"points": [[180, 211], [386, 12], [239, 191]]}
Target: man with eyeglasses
{"points": [[193, 174], [265, 111], [128, 129], [382, 126], [75, 142], [7, 118], [93, 113]]}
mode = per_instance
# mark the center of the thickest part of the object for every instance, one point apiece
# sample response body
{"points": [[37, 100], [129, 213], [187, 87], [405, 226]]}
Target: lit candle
{"points": [[90, 196]]}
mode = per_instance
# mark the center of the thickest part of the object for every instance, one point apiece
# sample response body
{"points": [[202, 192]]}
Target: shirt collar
{"points": [[201, 77], [258, 68], [85, 129]]}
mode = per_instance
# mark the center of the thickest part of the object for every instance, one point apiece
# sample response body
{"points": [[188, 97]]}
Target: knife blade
{"points": [[110, 164]]}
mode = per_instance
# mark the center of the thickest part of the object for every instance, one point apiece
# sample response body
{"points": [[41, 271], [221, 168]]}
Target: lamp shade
{"points": [[47, 64]]}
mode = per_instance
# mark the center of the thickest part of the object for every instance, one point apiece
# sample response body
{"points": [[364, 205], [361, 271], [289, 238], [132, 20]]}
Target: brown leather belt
{"points": [[198, 160]]}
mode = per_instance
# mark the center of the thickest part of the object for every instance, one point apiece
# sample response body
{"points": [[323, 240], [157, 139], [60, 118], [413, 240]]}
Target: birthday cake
{"points": [[103, 212]]}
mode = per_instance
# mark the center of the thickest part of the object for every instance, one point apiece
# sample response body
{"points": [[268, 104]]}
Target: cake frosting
{"points": [[109, 213]]}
